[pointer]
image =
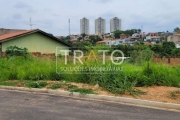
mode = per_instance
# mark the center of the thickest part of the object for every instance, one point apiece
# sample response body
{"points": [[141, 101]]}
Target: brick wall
{"points": [[174, 61], [44, 55], [37, 54]]}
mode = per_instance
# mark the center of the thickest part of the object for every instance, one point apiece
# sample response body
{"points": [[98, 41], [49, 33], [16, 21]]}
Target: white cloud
{"points": [[52, 16]]}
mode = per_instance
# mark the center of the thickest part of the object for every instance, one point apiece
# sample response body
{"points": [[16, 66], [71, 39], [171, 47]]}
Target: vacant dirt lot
{"points": [[154, 93]]}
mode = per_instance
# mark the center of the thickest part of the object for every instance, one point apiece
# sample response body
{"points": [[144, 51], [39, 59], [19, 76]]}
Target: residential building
{"points": [[108, 42], [100, 26], [84, 26], [34, 40], [153, 36], [174, 38], [115, 24]]}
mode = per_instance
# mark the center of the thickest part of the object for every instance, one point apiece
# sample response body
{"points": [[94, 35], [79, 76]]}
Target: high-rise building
{"points": [[115, 24], [84, 26], [100, 26]]}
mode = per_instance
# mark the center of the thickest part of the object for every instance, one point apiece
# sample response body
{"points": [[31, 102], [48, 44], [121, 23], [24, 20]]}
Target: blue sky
{"points": [[52, 15]]}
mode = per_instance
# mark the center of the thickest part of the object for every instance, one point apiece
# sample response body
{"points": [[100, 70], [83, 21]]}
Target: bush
{"points": [[140, 57], [16, 51], [159, 74]]}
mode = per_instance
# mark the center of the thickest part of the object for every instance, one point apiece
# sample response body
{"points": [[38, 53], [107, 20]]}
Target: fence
{"points": [[173, 61], [37, 54]]}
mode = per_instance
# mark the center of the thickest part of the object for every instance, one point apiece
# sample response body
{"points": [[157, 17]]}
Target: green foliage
{"points": [[16, 51], [55, 76], [18, 68], [176, 52], [37, 84], [176, 29], [117, 33], [158, 74], [141, 56], [84, 46], [167, 48], [8, 83], [83, 91], [157, 49], [72, 87], [126, 49], [56, 86], [95, 38], [67, 40]]}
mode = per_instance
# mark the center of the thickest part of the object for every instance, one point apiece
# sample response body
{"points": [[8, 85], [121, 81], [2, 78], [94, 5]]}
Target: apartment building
{"points": [[115, 24], [100, 26], [84, 26]]}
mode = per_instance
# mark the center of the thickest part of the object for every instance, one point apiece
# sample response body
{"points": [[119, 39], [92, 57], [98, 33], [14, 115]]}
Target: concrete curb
{"points": [[99, 97]]}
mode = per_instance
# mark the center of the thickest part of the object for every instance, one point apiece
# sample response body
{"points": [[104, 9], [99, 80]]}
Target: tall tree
{"points": [[167, 48], [176, 29]]}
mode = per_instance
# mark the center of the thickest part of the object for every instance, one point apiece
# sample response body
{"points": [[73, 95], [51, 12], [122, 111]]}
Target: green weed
{"points": [[37, 84], [83, 91], [56, 86]]}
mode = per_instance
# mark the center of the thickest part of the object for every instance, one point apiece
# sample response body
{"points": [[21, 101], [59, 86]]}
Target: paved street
{"points": [[30, 106]]}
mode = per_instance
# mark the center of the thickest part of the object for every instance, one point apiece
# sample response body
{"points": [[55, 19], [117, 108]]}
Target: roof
{"points": [[11, 36], [103, 41]]}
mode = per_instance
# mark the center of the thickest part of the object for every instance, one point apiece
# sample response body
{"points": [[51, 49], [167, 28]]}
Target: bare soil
{"points": [[154, 93]]}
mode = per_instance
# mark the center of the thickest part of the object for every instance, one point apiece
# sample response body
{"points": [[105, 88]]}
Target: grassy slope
{"points": [[17, 68]]}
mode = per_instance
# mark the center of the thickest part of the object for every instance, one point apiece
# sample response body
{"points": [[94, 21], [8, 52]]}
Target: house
{"points": [[108, 42], [177, 44], [174, 38], [34, 40], [153, 36], [123, 41]]}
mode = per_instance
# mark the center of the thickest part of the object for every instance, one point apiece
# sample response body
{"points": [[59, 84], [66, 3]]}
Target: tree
{"points": [[66, 39], [94, 38], [176, 29], [17, 51], [176, 52], [157, 49], [167, 48], [117, 33], [130, 32], [83, 36]]}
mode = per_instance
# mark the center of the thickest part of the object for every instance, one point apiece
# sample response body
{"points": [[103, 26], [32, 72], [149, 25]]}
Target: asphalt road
{"points": [[31, 106]]}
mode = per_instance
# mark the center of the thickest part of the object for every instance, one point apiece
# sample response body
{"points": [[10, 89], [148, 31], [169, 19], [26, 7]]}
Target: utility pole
{"points": [[31, 24], [69, 27], [142, 32]]}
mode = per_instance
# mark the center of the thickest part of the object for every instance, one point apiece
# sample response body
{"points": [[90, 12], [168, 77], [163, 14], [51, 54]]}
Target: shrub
{"points": [[16, 51]]}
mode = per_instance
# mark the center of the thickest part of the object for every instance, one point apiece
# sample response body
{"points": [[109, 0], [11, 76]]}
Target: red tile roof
{"points": [[10, 36], [103, 41], [14, 34]]}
